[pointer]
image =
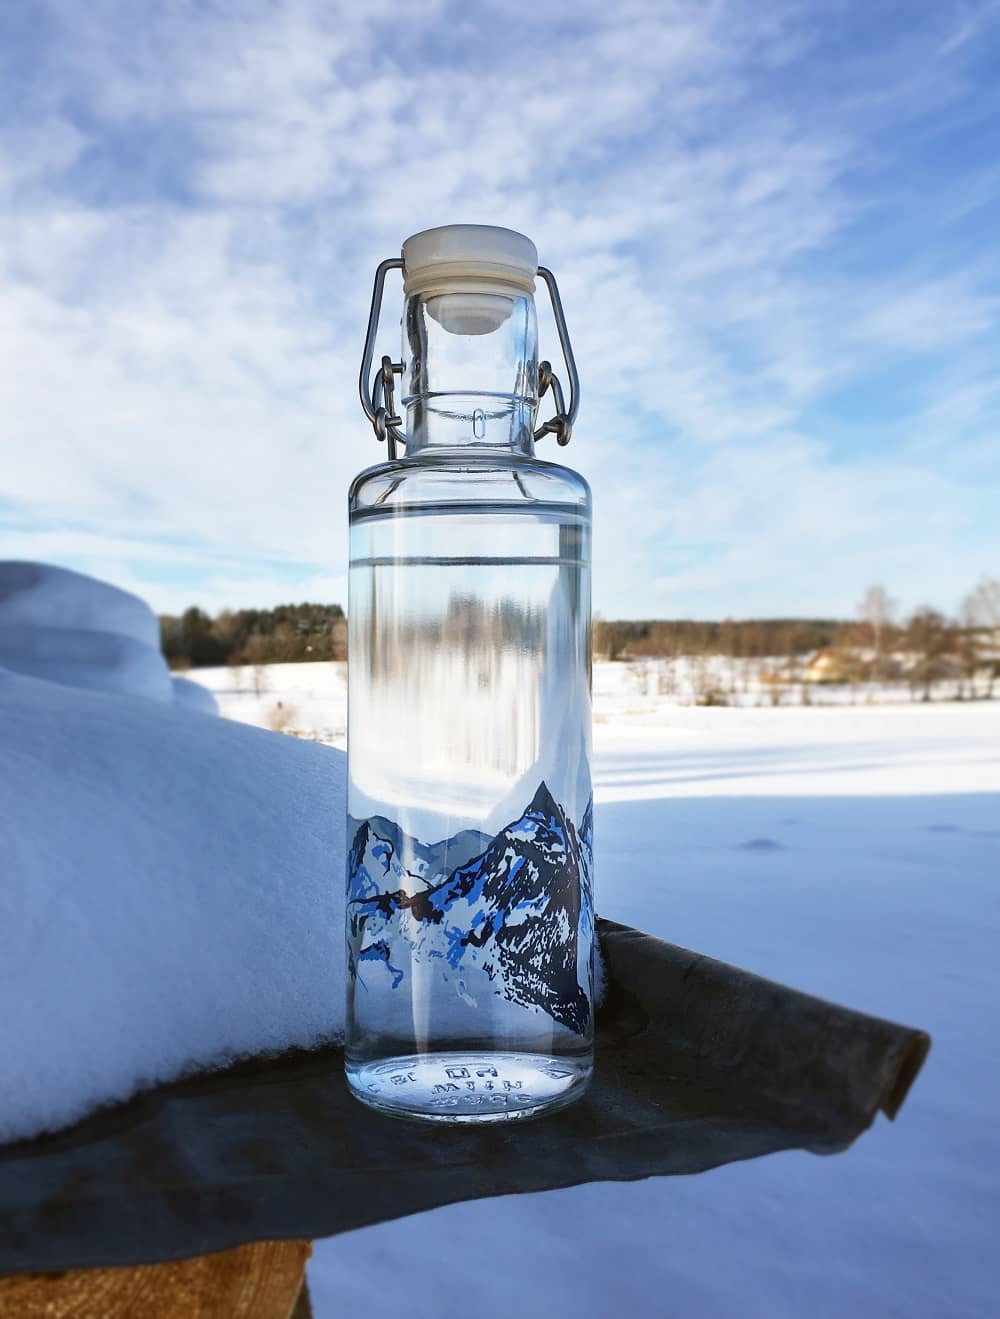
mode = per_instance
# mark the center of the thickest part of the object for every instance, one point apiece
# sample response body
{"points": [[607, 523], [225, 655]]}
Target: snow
{"points": [[657, 683], [170, 885], [84, 658], [42, 595], [852, 851], [305, 699], [69, 628], [194, 696]]}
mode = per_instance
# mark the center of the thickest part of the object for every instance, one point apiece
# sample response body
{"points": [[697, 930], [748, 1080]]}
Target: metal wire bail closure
{"points": [[381, 415], [560, 425], [378, 399]]}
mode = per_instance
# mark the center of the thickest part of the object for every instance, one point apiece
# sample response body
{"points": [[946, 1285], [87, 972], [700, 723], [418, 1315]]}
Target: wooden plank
{"points": [[263, 1280]]}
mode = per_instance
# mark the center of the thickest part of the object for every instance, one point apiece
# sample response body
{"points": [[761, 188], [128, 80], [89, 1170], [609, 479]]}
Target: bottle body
{"points": [[470, 917]]}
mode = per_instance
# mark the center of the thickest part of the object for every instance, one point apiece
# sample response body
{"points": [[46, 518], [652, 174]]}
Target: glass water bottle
{"points": [[470, 914]]}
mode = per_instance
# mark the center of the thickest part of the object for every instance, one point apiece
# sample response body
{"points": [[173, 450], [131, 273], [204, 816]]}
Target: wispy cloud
{"points": [[777, 252]]}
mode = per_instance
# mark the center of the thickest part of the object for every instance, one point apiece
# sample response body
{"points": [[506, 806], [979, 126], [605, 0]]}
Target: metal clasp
{"points": [[561, 425], [378, 399]]}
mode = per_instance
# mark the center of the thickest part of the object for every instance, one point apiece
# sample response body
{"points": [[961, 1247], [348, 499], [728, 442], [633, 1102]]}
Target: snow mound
{"points": [[172, 896], [41, 595], [98, 660], [72, 629], [194, 696]]}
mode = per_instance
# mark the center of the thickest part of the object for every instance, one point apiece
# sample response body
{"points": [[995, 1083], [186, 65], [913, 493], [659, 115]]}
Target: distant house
{"points": [[829, 666]]}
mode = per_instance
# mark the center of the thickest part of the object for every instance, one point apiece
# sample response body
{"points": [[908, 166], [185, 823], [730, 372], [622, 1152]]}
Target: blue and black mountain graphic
{"points": [[381, 847], [514, 913]]}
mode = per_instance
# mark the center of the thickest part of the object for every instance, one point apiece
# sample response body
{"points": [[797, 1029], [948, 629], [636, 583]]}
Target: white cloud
{"points": [[920, 318]]}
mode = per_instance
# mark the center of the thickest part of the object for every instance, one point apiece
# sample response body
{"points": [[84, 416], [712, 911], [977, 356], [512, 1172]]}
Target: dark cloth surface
{"points": [[698, 1064]]}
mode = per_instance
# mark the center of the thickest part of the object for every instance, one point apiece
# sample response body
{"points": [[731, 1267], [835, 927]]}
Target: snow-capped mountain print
{"points": [[379, 842], [514, 918]]}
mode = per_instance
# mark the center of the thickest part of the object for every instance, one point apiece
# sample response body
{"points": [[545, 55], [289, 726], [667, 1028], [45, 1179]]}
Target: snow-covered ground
{"points": [[853, 852]]}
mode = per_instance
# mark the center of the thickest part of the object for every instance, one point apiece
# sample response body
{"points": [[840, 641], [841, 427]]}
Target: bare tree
{"points": [[877, 609], [730, 649], [928, 637], [982, 605], [640, 672], [666, 678], [235, 665], [599, 636], [338, 639], [705, 687], [981, 614]]}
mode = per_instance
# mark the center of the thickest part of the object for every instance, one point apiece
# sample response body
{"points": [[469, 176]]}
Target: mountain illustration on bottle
{"points": [[512, 914]]}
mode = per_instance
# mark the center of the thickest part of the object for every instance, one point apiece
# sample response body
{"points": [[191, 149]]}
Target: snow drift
{"points": [[69, 628], [171, 884], [36, 595], [171, 896]]}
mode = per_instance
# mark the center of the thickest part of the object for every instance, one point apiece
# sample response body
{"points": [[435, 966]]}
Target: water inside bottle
{"points": [[470, 911]]}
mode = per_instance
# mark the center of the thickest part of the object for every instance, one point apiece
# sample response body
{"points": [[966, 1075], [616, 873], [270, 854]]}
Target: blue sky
{"points": [[776, 229]]}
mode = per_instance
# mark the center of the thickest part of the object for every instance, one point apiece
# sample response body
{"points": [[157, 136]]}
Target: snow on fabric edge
{"points": [[172, 897]]}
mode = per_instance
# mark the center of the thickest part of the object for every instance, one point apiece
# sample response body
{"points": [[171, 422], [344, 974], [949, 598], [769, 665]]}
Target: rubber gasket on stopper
{"points": [[469, 258]]}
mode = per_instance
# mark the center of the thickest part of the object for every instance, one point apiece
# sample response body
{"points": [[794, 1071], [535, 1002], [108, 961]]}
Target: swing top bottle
{"points": [[470, 920]]}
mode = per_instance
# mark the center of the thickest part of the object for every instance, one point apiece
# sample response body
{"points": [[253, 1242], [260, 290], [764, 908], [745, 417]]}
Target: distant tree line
{"points": [[925, 649], [285, 634], [751, 638]]}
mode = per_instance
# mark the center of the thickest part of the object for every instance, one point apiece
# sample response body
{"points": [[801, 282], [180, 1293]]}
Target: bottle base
{"points": [[467, 1087]]}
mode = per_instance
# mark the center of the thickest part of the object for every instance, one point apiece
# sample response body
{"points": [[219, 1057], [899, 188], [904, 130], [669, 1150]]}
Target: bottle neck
{"points": [[470, 372]]}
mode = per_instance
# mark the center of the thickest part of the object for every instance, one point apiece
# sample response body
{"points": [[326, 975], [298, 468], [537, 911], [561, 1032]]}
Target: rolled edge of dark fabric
{"points": [[698, 1064], [805, 1063]]}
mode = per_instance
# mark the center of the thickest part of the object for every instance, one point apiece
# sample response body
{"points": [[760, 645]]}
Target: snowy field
{"points": [[311, 699], [853, 852]]}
